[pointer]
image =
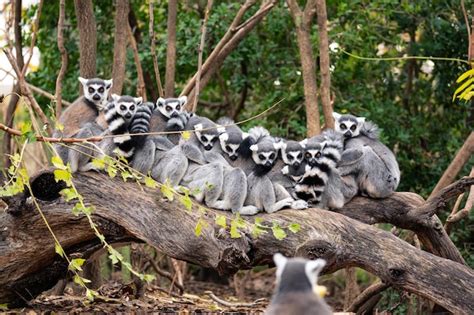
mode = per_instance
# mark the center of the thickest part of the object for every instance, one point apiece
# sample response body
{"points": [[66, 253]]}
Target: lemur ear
{"points": [[285, 170], [336, 116], [280, 262], [314, 266], [361, 120], [283, 145], [224, 136], [198, 127], [138, 100], [109, 83], [277, 145], [115, 97], [303, 143], [244, 135], [253, 148], [160, 102], [182, 100], [83, 81], [220, 129]]}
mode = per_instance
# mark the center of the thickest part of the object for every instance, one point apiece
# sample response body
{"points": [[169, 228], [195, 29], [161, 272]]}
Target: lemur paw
{"points": [[248, 210], [299, 204]]}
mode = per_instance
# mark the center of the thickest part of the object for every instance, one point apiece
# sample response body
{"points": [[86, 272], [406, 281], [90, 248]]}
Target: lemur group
{"points": [[223, 166]]}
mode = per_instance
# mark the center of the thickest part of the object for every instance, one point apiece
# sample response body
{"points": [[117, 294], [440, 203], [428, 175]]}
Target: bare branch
{"points": [[63, 52], [200, 51], [171, 48], [373, 290], [461, 158], [447, 225], [33, 39], [153, 49], [455, 217], [46, 94]]}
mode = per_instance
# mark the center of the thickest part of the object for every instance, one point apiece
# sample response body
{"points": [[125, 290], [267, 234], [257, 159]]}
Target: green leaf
{"points": [[463, 86], [91, 294], [98, 163], [186, 202], [278, 232], [465, 75], [69, 194], [76, 264], [257, 231], [199, 226], [58, 126], [148, 278], [234, 232], [167, 190], [77, 209], [126, 175], [4, 307], [78, 280], [221, 221], [186, 135], [150, 182], [111, 170], [64, 175], [58, 163], [59, 250], [294, 227]]}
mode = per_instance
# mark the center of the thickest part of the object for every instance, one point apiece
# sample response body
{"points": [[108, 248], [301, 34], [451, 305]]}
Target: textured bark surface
{"points": [[28, 263], [87, 38], [120, 46], [171, 48]]}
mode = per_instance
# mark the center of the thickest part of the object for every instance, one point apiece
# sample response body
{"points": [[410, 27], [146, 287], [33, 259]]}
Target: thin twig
{"points": [[62, 50], [25, 89], [447, 225], [33, 38], [367, 294], [466, 20], [231, 304], [467, 207], [165, 274], [141, 81], [48, 95], [153, 49], [200, 51]]}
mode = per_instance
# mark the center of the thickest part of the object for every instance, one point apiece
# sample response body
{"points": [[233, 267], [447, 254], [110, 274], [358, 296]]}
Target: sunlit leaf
{"points": [[69, 194], [58, 163], [150, 182], [465, 75], [64, 175], [4, 307], [186, 135], [278, 232], [98, 163], [126, 175], [294, 227], [59, 250], [91, 294], [167, 190], [221, 221], [186, 202], [234, 232], [149, 278], [76, 264], [199, 227]]}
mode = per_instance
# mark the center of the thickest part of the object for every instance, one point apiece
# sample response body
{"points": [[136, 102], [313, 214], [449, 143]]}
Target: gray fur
{"points": [[376, 173], [294, 293]]}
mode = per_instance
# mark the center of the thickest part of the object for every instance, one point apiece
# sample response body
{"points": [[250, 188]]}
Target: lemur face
{"points": [[313, 153], [230, 143], [96, 90], [171, 107], [292, 152], [265, 153], [126, 106], [348, 125], [207, 135]]}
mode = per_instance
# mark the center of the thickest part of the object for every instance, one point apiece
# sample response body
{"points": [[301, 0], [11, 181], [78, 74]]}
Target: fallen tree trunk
{"points": [[125, 212]]}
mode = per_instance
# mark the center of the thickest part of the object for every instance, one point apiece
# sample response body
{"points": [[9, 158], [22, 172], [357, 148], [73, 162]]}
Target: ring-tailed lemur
{"points": [[83, 111], [170, 116], [262, 192], [296, 287], [376, 172]]}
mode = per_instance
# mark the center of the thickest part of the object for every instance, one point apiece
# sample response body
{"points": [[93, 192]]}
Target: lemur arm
{"points": [[162, 143], [350, 156], [193, 153]]}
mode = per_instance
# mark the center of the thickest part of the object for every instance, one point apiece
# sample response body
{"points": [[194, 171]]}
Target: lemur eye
{"points": [[300, 155], [228, 148], [132, 107], [122, 107], [307, 155], [261, 157], [101, 89], [289, 157], [203, 139], [353, 127], [168, 108], [318, 154], [272, 156], [178, 107], [91, 90], [343, 126]]}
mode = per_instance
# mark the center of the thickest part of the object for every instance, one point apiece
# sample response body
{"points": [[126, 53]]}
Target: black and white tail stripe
{"points": [[141, 122], [313, 183], [118, 125]]}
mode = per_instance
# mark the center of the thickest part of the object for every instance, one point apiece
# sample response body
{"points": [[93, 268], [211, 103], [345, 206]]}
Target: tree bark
{"points": [[302, 20], [325, 88], [461, 158], [120, 46], [87, 38], [125, 212], [63, 52], [12, 104], [141, 90], [171, 48], [151, 29]]}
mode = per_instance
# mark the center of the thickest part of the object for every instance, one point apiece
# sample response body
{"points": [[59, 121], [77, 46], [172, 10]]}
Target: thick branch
{"points": [[171, 48], [87, 37], [63, 52], [120, 46], [124, 211]]}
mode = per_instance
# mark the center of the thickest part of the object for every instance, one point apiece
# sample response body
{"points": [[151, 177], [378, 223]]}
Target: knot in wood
{"points": [[396, 274]]}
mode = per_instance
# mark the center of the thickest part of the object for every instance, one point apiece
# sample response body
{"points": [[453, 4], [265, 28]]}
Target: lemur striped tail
{"points": [[119, 126], [141, 122]]}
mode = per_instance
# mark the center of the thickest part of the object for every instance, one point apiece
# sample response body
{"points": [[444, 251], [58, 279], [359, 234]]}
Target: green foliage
{"points": [[464, 91]]}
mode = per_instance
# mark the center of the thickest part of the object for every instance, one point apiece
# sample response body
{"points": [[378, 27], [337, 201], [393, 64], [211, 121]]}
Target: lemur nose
{"points": [[296, 164], [233, 157], [174, 114], [128, 116], [96, 97], [208, 147], [347, 134]]}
